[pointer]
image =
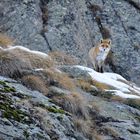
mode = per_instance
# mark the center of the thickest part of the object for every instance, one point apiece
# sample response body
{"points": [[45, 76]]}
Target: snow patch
{"points": [[124, 95], [121, 85], [27, 50]]}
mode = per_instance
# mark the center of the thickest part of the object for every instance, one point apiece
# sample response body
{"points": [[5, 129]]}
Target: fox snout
{"points": [[102, 49]]}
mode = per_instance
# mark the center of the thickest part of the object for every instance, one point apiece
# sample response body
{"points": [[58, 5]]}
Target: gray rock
{"points": [[33, 116], [22, 20]]}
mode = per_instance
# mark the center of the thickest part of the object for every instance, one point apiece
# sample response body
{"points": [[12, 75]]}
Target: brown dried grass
{"points": [[101, 86], [5, 40], [14, 62], [74, 103], [35, 83], [61, 78], [61, 58]]}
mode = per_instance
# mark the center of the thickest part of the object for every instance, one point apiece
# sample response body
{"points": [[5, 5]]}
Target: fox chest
{"points": [[101, 56]]}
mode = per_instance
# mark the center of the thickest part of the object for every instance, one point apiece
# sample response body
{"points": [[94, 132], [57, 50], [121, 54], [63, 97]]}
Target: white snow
{"points": [[39, 69], [27, 50], [124, 95], [123, 89]]}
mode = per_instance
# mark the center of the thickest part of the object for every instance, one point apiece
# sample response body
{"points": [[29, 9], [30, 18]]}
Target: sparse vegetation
{"points": [[14, 62], [117, 98], [100, 85], [53, 109], [6, 88], [85, 85], [10, 112], [73, 103], [105, 95], [133, 103], [63, 58], [111, 132], [87, 127], [60, 79], [5, 40], [35, 83]]}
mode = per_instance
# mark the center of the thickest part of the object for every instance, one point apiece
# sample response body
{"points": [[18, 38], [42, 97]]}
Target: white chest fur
{"points": [[102, 55]]}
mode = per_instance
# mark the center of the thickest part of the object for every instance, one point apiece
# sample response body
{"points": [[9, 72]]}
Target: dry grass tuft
{"points": [[35, 83], [36, 60], [100, 86], [74, 103], [62, 58], [14, 62], [85, 85], [11, 65], [117, 98], [95, 106], [111, 132], [40, 114], [5, 40], [62, 79], [133, 103], [86, 127]]}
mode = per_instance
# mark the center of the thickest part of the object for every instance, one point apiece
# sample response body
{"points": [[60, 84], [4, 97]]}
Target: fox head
{"points": [[105, 45]]}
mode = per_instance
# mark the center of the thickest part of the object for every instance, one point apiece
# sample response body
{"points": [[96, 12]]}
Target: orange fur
{"points": [[99, 53]]}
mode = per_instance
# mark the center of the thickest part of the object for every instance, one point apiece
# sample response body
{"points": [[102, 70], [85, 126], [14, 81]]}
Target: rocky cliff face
{"points": [[75, 26], [50, 98], [72, 108]]}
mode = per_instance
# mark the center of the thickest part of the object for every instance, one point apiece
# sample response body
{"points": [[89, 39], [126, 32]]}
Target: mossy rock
{"points": [[52, 109], [133, 103], [3, 83], [5, 98], [6, 88], [12, 113], [55, 110], [9, 111]]}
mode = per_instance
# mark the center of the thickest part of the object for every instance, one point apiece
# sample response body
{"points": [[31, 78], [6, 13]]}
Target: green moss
{"points": [[133, 103], [6, 88], [9, 89], [55, 110], [52, 109], [26, 134], [5, 98], [12, 113], [8, 111], [2, 83], [21, 95]]}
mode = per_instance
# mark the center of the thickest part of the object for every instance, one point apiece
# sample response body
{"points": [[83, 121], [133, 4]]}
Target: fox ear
{"points": [[101, 41], [109, 42]]}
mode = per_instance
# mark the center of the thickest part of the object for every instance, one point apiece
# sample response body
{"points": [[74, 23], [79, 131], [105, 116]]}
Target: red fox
{"points": [[99, 53]]}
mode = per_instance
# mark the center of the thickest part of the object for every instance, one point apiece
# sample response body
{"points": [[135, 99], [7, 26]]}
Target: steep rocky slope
{"points": [[75, 26], [57, 96], [63, 102]]}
